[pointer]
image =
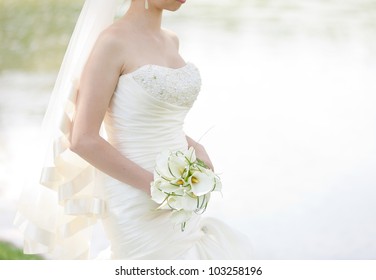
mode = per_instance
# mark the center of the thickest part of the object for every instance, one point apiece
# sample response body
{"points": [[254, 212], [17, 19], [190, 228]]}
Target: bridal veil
{"points": [[56, 215]]}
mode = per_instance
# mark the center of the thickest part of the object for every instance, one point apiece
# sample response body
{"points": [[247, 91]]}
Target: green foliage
{"points": [[34, 33], [10, 252]]}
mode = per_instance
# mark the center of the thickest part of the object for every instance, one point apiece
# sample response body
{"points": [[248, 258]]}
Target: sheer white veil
{"points": [[56, 215]]}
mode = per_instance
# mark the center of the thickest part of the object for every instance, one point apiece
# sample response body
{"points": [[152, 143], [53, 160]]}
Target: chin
{"points": [[173, 5], [173, 8]]}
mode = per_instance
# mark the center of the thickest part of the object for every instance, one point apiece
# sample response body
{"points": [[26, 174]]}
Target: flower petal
{"points": [[185, 202], [177, 165], [167, 187], [201, 183], [161, 168], [157, 195]]}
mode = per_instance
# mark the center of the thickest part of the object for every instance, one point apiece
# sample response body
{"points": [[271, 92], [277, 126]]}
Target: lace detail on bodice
{"points": [[178, 86]]}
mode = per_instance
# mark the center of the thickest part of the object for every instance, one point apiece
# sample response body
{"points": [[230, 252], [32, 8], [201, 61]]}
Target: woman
{"points": [[125, 48], [138, 85]]}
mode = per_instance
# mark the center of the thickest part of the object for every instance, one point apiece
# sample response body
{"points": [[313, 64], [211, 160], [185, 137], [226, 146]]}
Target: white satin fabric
{"points": [[140, 126]]}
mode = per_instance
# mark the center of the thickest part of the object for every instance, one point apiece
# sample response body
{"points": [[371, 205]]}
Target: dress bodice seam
{"points": [[157, 66]]}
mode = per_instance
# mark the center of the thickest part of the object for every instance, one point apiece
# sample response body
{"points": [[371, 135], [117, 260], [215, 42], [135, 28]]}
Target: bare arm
{"points": [[97, 85]]}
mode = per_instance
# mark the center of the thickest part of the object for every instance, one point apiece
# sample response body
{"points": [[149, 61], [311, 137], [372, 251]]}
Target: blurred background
{"points": [[287, 113]]}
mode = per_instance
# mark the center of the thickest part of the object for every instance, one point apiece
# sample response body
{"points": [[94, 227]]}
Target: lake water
{"points": [[287, 111]]}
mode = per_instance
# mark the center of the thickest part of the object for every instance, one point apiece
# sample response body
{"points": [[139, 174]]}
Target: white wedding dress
{"points": [[146, 116]]}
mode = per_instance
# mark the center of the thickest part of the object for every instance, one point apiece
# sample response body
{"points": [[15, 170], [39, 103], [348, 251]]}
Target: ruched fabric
{"points": [[141, 126]]}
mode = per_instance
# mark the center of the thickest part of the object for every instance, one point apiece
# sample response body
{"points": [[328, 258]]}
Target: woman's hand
{"points": [[200, 152]]}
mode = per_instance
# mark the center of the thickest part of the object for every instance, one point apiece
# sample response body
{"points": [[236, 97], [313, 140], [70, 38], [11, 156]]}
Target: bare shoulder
{"points": [[115, 45], [111, 39], [172, 36]]}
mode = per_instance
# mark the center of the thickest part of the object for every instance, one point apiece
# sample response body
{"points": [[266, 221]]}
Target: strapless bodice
{"points": [[147, 111]]}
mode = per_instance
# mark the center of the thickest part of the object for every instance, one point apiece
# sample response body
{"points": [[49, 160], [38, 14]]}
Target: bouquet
{"points": [[183, 184]]}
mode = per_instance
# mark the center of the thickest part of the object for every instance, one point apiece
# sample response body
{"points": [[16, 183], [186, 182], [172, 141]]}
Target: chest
{"points": [[178, 86]]}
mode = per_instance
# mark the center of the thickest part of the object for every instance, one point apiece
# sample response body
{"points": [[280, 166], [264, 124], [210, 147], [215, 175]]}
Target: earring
{"points": [[146, 4]]}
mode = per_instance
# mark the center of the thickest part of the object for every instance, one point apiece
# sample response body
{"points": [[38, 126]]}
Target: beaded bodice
{"points": [[178, 86]]}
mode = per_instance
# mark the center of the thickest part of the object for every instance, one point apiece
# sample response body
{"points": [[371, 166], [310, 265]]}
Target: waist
{"points": [[144, 150]]}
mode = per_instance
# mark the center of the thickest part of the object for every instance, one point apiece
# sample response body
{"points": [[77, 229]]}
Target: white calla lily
{"points": [[170, 188], [201, 182], [156, 194], [185, 202], [162, 169], [217, 186], [183, 184], [176, 166]]}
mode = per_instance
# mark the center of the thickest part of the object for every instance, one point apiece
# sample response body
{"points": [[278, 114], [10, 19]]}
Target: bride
{"points": [[135, 83]]}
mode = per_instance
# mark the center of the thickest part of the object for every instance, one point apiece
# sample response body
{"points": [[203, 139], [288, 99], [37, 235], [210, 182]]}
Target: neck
{"points": [[148, 19]]}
